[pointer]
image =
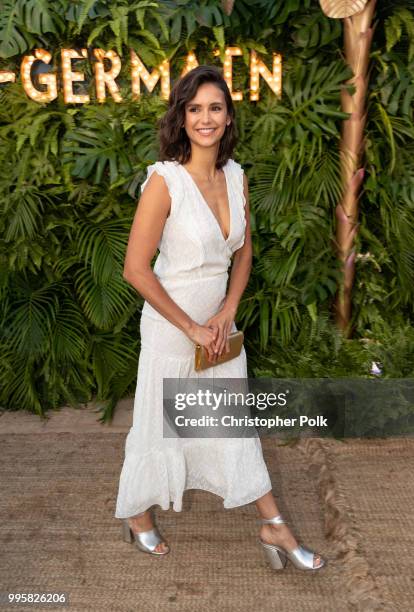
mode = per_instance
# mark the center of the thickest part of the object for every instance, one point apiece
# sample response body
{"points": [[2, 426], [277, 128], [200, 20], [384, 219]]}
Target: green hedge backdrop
{"points": [[70, 177]]}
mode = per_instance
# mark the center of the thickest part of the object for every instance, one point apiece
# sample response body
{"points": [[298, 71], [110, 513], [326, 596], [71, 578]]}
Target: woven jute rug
{"points": [[351, 501]]}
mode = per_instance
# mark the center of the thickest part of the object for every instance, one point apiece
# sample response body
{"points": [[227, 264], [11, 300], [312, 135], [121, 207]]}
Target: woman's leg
{"points": [[276, 534], [143, 522]]}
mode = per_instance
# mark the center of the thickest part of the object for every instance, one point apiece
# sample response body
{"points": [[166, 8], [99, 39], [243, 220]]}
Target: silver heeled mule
{"points": [[146, 541], [277, 557]]}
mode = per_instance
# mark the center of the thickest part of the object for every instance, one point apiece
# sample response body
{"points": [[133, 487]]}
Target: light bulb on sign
{"points": [[139, 71], [107, 78], [48, 79], [6, 76], [190, 63], [229, 53], [273, 79], [68, 76]]}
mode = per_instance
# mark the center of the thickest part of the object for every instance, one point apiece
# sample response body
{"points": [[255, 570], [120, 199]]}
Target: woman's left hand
{"points": [[223, 322]]}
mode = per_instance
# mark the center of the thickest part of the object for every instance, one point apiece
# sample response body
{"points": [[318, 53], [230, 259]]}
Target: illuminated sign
{"points": [[105, 79]]}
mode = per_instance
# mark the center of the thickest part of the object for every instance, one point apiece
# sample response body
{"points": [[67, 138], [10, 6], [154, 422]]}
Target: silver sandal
{"points": [[146, 541], [301, 557]]}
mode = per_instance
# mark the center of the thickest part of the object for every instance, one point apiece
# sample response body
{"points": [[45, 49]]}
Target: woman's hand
{"points": [[223, 322], [205, 336]]}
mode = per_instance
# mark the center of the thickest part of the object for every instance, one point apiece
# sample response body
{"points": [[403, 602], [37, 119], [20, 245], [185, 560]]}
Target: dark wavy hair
{"points": [[173, 140]]}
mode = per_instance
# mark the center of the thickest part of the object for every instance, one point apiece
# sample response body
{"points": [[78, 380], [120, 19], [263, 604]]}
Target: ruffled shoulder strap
{"points": [[168, 170], [236, 172]]}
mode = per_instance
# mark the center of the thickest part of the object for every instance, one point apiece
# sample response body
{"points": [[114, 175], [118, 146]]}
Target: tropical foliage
{"points": [[70, 177]]}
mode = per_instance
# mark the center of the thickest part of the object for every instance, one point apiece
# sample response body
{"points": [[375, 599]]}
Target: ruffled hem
{"points": [[160, 477]]}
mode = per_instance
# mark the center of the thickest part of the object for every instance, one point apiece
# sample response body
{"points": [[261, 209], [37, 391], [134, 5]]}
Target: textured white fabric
{"points": [[193, 266]]}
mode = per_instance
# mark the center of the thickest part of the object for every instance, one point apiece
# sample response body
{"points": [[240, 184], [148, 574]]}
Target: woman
{"points": [[194, 208]]}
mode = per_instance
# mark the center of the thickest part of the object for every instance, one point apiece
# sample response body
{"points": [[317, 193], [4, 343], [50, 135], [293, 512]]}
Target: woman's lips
{"points": [[206, 132]]}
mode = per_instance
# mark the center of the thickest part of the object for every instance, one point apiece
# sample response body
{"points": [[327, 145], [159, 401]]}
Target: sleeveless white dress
{"points": [[192, 266]]}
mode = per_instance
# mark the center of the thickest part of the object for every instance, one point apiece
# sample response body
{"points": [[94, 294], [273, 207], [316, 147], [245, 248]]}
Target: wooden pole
{"points": [[358, 32]]}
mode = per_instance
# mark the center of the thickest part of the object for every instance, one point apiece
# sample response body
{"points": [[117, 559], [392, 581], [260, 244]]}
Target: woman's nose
{"points": [[205, 118]]}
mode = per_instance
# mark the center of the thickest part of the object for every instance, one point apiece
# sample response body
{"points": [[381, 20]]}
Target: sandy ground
{"points": [[351, 500]]}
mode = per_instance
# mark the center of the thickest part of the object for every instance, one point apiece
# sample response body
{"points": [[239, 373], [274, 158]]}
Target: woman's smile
{"points": [[206, 131]]}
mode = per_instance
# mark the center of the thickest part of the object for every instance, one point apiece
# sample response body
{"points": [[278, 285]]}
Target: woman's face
{"points": [[206, 116]]}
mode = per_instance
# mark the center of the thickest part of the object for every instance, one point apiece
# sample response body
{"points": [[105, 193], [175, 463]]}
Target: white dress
{"points": [[192, 265]]}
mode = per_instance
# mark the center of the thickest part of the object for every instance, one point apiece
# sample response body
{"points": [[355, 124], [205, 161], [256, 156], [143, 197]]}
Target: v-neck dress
{"points": [[193, 267]]}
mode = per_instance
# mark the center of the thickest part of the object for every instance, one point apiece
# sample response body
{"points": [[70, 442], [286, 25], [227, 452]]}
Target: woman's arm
{"points": [[146, 231], [242, 262]]}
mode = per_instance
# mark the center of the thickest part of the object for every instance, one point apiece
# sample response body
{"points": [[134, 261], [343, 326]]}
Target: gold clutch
{"points": [[202, 362]]}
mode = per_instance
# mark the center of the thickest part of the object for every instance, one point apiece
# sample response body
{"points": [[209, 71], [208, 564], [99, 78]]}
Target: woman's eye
{"points": [[216, 108]]}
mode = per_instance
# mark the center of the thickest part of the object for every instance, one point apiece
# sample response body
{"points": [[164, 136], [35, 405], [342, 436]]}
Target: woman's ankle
{"points": [[280, 533], [141, 521]]}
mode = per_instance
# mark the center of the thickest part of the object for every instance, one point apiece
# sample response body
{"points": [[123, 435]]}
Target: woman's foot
{"points": [[281, 535], [143, 522]]}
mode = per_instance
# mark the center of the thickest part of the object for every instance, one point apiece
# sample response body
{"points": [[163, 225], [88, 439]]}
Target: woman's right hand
{"points": [[205, 336]]}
